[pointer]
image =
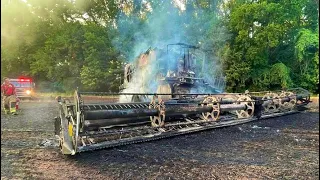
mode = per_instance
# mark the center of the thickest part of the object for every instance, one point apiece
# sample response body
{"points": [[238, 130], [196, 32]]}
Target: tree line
{"points": [[257, 44]]}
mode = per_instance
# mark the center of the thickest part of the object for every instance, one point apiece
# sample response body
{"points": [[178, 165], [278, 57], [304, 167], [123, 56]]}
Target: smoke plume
{"points": [[168, 22]]}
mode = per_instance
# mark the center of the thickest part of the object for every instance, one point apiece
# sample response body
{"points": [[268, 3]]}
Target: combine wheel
{"points": [[213, 102], [157, 103], [248, 112], [288, 105], [272, 106]]}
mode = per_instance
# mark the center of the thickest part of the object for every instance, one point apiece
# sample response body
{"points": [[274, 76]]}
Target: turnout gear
{"points": [[9, 98]]}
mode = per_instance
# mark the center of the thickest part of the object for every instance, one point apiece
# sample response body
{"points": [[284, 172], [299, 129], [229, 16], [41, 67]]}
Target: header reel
{"points": [[83, 125]]}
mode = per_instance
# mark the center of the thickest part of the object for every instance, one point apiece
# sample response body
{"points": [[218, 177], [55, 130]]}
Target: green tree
{"points": [[265, 37], [307, 55]]}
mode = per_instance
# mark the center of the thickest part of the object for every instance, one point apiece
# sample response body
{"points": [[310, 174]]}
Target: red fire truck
{"points": [[24, 87]]}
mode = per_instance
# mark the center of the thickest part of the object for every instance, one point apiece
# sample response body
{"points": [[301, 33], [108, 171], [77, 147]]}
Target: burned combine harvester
{"points": [[170, 71], [86, 124]]}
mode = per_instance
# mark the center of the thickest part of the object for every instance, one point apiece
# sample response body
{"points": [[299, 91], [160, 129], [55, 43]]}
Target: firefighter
{"points": [[8, 93]]}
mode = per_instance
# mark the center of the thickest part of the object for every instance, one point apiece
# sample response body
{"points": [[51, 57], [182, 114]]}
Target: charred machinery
{"points": [[173, 70], [183, 103], [83, 125]]}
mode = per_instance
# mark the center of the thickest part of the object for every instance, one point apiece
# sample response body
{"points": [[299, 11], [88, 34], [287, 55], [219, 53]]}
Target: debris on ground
{"points": [[226, 153]]}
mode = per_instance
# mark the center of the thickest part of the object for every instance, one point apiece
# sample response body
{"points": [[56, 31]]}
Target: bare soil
{"points": [[280, 148]]}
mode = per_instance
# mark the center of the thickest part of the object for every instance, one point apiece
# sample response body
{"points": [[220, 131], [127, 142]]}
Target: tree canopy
{"points": [[256, 44]]}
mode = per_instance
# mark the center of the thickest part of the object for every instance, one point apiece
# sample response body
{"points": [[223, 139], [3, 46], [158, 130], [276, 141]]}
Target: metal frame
{"points": [[101, 125]]}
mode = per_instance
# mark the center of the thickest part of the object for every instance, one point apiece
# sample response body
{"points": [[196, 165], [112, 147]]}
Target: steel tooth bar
{"points": [[181, 102]]}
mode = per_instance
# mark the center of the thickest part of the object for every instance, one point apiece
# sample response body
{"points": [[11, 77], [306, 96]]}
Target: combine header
{"points": [[84, 126]]}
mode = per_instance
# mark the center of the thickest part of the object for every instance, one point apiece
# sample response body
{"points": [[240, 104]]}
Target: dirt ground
{"points": [[279, 148]]}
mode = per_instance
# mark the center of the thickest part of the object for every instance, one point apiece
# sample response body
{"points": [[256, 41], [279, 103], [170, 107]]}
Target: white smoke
{"points": [[170, 22]]}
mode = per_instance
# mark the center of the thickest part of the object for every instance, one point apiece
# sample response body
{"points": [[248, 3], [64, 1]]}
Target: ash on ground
{"points": [[280, 148]]}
